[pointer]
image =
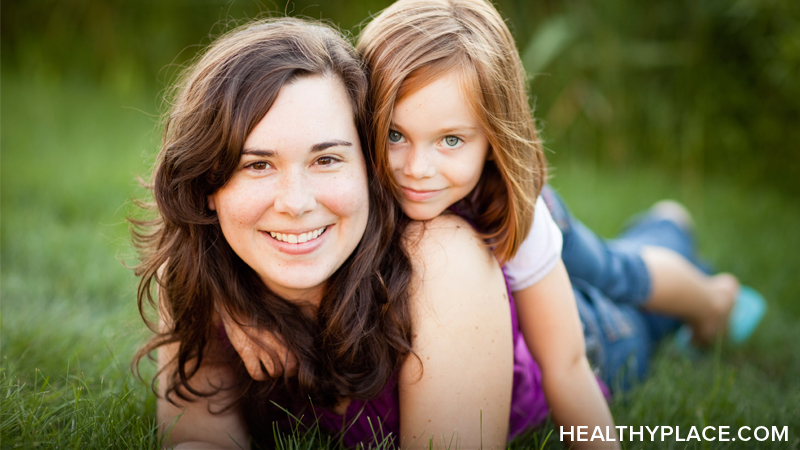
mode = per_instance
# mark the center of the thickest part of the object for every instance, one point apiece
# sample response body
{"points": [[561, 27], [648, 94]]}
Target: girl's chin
{"points": [[422, 213]]}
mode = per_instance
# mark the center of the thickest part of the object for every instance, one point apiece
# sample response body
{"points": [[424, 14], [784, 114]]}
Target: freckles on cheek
{"points": [[239, 207], [345, 194], [396, 161]]}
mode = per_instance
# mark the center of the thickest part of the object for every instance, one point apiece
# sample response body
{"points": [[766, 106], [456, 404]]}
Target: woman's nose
{"points": [[295, 195], [419, 163]]}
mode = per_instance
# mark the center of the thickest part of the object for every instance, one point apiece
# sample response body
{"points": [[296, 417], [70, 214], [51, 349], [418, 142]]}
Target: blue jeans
{"points": [[610, 282]]}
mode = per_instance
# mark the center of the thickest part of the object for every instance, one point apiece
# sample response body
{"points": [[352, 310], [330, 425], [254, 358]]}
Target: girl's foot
{"points": [[722, 289], [675, 212]]}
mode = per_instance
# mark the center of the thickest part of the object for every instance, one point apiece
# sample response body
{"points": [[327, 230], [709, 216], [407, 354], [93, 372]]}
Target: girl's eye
{"points": [[259, 165], [395, 136], [451, 141]]}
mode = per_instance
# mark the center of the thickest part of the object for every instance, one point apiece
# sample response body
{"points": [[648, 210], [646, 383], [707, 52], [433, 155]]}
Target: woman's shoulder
{"points": [[448, 258], [442, 236]]}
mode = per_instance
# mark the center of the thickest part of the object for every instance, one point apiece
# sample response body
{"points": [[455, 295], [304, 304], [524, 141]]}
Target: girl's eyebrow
{"points": [[457, 128], [314, 148], [447, 130]]}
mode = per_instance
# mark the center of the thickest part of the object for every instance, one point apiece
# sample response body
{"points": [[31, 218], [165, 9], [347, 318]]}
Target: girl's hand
{"points": [[262, 352]]}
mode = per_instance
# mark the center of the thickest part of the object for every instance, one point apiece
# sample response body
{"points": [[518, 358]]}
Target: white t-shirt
{"points": [[539, 252]]}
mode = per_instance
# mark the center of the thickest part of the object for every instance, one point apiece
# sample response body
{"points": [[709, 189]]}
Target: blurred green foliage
{"points": [[692, 87]]}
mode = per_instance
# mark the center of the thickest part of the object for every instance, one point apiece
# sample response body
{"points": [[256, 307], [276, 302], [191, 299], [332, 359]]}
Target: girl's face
{"points": [[296, 207], [437, 147]]}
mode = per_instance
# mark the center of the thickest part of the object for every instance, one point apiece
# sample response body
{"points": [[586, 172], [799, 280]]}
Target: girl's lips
{"points": [[289, 243], [419, 196]]}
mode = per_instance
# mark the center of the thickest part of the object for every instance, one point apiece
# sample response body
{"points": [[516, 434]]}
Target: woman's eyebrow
{"points": [[325, 145], [263, 153], [314, 148]]}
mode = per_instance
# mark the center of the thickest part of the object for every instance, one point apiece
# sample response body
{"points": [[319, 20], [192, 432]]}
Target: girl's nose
{"points": [[295, 195], [419, 163]]}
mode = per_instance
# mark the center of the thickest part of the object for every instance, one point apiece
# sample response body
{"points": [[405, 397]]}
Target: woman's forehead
{"points": [[311, 112]]}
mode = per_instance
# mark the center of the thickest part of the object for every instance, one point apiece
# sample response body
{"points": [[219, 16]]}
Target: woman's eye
{"points": [[259, 165], [451, 141], [395, 136], [326, 160]]}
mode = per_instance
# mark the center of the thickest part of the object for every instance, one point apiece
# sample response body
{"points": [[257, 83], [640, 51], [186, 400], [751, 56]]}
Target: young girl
{"points": [[454, 134]]}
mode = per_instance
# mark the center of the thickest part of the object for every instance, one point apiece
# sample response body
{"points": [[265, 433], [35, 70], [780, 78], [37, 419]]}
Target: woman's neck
{"points": [[308, 300]]}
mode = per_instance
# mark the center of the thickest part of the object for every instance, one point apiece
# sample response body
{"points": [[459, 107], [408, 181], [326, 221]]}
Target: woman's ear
{"points": [[211, 205]]}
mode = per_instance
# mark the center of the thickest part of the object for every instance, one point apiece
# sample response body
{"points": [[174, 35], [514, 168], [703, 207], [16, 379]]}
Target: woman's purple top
{"points": [[381, 414]]}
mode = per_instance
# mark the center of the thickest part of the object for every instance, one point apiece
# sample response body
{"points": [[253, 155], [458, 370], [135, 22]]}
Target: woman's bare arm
{"points": [[462, 335]]}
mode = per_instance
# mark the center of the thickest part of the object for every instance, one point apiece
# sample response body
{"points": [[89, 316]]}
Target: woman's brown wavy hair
{"points": [[412, 43], [362, 329]]}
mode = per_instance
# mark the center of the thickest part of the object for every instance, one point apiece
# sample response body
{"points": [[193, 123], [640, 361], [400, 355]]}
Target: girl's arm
{"points": [[548, 319], [462, 337], [190, 425]]}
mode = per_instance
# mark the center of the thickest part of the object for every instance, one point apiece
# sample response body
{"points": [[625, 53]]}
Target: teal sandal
{"points": [[747, 313]]}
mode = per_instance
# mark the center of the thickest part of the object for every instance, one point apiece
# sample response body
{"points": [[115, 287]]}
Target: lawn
{"points": [[70, 157]]}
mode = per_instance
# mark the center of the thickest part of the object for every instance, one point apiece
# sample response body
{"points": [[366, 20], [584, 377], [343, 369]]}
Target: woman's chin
{"points": [[299, 288]]}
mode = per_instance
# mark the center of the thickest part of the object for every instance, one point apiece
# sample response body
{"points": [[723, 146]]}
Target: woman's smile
{"points": [[292, 238], [297, 243]]}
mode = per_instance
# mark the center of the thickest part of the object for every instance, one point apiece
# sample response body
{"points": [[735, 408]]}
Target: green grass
{"points": [[69, 319], [70, 155]]}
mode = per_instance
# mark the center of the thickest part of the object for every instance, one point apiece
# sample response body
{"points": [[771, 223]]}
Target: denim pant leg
{"points": [[646, 229], [618, 339], [617, 271], [610, 281]]}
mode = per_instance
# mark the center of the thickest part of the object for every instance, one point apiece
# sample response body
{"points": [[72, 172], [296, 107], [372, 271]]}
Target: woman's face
{"points": [[297, 204]]}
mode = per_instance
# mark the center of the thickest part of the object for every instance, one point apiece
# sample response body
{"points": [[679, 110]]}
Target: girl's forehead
{"points": [[458, 82], [464, 74], [439, 107]]}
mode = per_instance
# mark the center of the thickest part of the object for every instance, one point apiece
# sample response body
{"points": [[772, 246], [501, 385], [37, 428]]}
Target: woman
{"points": [[269, 213]]}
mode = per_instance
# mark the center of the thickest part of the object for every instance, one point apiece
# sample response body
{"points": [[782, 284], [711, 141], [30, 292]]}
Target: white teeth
{"points": [[297, 239]]}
